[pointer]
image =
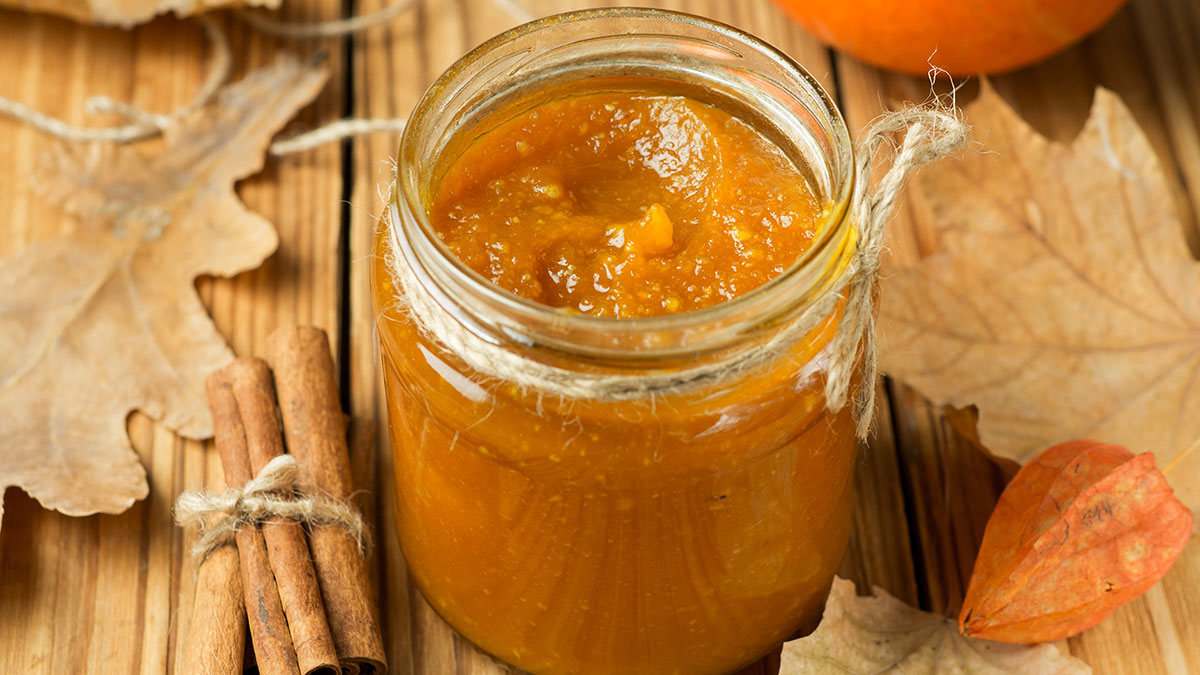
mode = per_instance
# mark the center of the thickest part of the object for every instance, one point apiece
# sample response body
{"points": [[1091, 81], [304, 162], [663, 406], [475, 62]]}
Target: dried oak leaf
{"points": [[105, 319], [1081, 530], [876, 635], [1062, 299], [128, 13]]}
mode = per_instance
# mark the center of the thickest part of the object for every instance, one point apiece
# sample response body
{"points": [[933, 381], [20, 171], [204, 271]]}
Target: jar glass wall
{"points": [[684, 532]]}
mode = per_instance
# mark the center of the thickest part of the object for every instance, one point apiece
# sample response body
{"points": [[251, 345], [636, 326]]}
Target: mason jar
{"points": [[687, 530]]}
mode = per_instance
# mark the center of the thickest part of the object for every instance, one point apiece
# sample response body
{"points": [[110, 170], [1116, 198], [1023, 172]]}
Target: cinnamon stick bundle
{"points": [[286, 614], [316, 435]]}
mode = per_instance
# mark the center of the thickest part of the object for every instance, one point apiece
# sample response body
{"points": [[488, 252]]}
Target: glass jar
{"points": [[683, 532]]}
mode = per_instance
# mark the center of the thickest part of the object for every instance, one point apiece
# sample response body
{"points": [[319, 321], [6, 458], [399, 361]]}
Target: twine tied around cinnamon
{"points": [[276, 493], [929, 133]]}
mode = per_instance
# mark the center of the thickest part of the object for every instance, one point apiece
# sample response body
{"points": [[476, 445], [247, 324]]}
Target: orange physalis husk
{"points": [[1081, 530]]}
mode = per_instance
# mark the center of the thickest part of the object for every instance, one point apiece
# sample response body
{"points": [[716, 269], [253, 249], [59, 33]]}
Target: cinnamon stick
{"points": [[287, 547], [216, 638], [273, 648], [316, 434]]}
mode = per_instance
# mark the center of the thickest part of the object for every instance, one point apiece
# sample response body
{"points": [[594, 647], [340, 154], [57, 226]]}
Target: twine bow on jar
{"points": [[929, 133]]}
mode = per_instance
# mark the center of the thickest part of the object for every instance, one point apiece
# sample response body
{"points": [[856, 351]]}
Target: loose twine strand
{"points": [[515, 10], [335, 131], [930, 133], [142, 124], [274, 494], [322, 29]]}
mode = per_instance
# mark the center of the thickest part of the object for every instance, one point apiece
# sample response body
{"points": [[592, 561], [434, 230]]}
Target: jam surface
{"points": [[621, 204]]}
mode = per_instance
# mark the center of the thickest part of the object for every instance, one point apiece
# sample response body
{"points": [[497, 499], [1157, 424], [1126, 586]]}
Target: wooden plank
{"points": [[880, 551], [393, 66], [80, 587], [950, 489], [109, 593]]}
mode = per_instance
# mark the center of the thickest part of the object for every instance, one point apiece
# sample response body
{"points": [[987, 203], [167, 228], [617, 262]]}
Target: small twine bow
{"points": [[274, 494], [929, 134]]}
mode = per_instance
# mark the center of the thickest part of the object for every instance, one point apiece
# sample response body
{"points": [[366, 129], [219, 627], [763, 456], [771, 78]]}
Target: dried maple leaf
{"points": [[127, 13], [875, 635], [1062, 300], [105, 319], [1081, 530]]}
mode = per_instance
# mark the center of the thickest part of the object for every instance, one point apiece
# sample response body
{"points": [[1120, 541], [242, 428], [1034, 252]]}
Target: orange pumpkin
{"points": [[964, 37]]}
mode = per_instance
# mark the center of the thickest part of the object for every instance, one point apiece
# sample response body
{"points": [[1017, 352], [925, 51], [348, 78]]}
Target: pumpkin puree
{"points": [[625, 205]]}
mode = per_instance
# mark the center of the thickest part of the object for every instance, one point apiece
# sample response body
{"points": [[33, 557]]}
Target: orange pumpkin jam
{"points": [[688, 534], [624, 205]]}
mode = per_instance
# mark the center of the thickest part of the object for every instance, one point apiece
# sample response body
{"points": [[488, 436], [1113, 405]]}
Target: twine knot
{"points": [[276, 493], [929, 133]]}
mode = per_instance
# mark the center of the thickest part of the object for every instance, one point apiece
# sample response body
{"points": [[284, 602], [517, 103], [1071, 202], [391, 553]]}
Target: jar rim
{"points": [[835, 222]]}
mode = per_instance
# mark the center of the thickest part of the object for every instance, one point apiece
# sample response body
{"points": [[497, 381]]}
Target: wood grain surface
{"points": [[111, 594]]}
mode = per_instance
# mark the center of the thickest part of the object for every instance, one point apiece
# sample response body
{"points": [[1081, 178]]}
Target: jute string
{"points": [[929, 133], [515, 10], [142, 124], [274, 494], [322, 29]]}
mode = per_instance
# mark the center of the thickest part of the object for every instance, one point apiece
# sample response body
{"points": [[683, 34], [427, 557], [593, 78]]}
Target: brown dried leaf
{"points": [[965, 422], [105, 319], [876, 635], [128, 13], [1063, 300]]}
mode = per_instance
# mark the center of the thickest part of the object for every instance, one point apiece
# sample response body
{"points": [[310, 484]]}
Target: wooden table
{"points": [[111, 594]]}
